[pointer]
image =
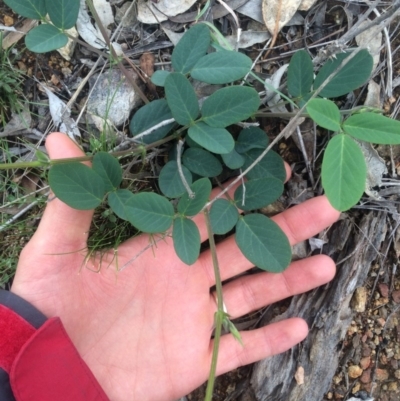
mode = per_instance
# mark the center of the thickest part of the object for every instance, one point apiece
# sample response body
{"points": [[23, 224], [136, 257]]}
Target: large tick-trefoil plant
{"points": [[206, 141], [209, 148]]}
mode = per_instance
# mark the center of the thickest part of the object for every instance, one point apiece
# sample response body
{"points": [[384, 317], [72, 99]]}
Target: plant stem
{"points": [[220, 314], [265, 113], [120, 153], [180, 170]]}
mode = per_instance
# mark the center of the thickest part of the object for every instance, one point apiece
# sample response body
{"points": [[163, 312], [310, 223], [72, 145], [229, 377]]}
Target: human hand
{"points": [[145, 332]]}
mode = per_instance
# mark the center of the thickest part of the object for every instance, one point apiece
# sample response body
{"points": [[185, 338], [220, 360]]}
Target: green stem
{"points": [[219, 315], [39, 163], [263, 113]]}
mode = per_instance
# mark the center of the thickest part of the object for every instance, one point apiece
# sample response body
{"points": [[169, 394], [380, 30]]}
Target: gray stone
{"points": [[113, 97]]}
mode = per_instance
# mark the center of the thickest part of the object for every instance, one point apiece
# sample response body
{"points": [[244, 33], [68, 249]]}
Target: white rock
{"points": [[113, 97]]}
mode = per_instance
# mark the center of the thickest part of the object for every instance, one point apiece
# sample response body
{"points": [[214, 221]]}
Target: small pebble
{"points": [[381, 374], [365, 362], [8, 21], [396, 296], [366, 376], [354, 371], [384, 290], [359, 299], [356, 388]]}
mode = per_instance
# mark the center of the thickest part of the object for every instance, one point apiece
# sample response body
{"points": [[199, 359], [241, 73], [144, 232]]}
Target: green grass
{"points": [[12, 241], [18, 189], [15, 234], [11, 80]]}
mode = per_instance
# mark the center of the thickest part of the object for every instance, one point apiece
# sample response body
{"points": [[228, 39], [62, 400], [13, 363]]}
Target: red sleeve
{"points": [[42, 363]]}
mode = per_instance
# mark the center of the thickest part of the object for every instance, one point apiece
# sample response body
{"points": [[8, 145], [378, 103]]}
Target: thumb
{"points": [[62, 228]]}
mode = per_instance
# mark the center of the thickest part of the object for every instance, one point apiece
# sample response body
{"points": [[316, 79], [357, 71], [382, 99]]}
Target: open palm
{"points": [[145, 332]]}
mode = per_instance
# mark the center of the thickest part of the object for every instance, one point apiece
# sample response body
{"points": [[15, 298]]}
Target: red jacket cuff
{"points": [[39, 359], [48, 368]]}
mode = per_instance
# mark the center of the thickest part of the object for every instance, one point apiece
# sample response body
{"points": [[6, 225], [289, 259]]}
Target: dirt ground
{"points": [[369, 365]]}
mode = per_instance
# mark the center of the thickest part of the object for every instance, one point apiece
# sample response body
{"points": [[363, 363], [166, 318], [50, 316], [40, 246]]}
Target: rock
{"points": [[359, 299], [299, 376], [366, 376], [366, 351], [113, 97], [67, 51], [381, 374], [396, 296], [356, 388], [384, 290], [340, 393], [354, 371], [8, 21], [365, 362]]}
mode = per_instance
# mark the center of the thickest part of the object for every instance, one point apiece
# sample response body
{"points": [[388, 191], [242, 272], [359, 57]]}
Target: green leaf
{"points": [[251, 138], [45, 38], [300, 75], [202, 191], [149, 212], [373, 128], [350, 77], [186, 237], [325, 113], [343, 172], [108, 168], [263, 243], [34, 9], [118, 201], [77, 185], [181, 98], [258, 193], [192, 46], [223, 216], [230, 105], [170, 182], [148, 116], [216, 140], [229, 326], [221, 67], [63, 13], [233, 159], [191, 143], [201, 162], [159, 77], [271, 165]]}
